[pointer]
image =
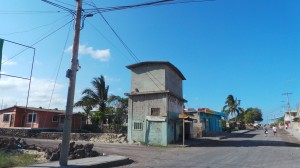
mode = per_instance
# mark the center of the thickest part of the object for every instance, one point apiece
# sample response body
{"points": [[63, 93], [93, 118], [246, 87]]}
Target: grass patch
{"points": [[11, 160]]}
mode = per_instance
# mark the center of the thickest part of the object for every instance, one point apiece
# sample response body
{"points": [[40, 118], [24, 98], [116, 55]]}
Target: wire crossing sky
{"points": [[247, 48]]}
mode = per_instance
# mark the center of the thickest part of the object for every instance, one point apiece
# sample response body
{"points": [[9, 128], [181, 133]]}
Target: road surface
{"points": [[248, 150]]}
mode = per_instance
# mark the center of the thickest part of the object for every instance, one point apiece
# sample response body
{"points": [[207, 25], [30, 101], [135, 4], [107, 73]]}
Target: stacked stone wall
{"points": [[55, 134]]}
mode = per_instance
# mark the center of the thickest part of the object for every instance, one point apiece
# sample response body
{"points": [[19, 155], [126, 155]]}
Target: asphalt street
{"points": [[247, 150]]}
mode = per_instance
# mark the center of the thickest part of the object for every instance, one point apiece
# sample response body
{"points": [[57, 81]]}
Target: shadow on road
{"points": [[254, 139], [244, 143], [237, 135]]}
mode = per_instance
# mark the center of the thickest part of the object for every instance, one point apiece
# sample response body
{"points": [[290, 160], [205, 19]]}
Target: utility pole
{"points": [[289, 110], [71, 74]]}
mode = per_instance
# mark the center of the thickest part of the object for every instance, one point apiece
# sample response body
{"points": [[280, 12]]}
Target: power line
{"points": [[59, 6], [98, 31], [60, 61], [184, 2], [108, 9], [149, 74], [58, 69], [28, 30], [43, 38], [146, 4], [121, 40], [27, 12], [65, 3]]}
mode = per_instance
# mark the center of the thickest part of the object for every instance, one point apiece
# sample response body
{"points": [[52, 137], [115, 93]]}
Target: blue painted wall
{"points": [[211, 122]]}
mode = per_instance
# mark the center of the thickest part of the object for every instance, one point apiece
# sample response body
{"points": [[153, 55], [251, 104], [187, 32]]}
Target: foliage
{"points": [[86, 105], [251, 115], [11, 160], [95, 97], [117, 109], [96, 117], [232, 107], [279, 121]]}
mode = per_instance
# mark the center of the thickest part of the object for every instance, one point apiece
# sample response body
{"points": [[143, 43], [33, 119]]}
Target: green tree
{"points": [[118, 111], [86, 105], [232, 107], [252, 114], [96, 97]]}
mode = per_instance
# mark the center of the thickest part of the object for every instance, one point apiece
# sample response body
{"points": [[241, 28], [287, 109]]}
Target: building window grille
{"points": [[138, 126], [6, 117], [31, 117], [155, 111], [55, 118]]}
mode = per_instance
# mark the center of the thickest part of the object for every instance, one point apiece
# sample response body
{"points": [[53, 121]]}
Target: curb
{"points": [[92, 162]]}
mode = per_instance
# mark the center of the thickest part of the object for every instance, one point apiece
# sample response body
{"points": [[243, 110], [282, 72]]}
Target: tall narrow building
{"points": [[155, 102]]}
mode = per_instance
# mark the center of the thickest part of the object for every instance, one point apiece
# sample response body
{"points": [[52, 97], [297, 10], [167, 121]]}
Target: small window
{"points": [[55, 118], [137, 126], [31, 117], [6, 117], [155, 111]]}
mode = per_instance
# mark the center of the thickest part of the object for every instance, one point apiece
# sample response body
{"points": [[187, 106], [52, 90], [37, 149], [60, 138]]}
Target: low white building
{"points": [[290, 119]]}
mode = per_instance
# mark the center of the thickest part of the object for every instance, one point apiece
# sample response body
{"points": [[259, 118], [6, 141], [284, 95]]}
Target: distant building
{"points": [[205, 122], [22, 117], [291, 119], [155, 101]]}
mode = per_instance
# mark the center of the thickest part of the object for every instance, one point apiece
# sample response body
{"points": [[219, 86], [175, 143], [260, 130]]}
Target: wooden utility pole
{"points": [[71, 74], [289, 110]]}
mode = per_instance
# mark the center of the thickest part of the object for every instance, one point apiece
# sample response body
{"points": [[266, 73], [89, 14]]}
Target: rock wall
{"points": [[26, 133], [54, 134]]}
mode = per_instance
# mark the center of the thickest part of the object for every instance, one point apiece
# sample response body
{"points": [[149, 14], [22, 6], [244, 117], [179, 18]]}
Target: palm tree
{"points": [[86, 105], [231, 107], [95, 97]]}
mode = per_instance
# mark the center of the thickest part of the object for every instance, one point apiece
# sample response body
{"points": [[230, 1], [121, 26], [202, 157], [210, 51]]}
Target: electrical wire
{"points": [[43, 38], [59, 6], [149, 74], [98, 31], [58, 69], [65, 3], [60, 61], [127, 6], [27, 12], [29, 30]]}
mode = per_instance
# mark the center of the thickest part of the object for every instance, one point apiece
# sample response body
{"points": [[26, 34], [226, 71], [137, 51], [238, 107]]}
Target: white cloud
{"points": [[101, 55], [111, 79], [14, 91]]}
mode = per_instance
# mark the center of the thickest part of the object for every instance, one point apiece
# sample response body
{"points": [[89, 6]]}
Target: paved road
{"points": [[249, 150]]}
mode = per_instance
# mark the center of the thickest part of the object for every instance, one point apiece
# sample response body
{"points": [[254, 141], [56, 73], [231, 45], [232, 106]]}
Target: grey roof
{"points": [[155, 63], [40, 110]]}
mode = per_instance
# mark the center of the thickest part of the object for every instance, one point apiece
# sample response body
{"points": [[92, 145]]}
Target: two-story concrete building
{"points": [[155, 101]]}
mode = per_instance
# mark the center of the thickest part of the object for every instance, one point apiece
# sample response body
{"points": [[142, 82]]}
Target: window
{"points": [[137, 126], [155, 111], [6, 117], [31, 117], [55, 118]]}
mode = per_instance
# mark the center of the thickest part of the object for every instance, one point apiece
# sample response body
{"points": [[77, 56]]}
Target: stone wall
{"points": [[25, 133], [54, 134]]}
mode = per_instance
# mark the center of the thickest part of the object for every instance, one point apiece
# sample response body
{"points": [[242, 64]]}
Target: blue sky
{"points": [[247, 48]]}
